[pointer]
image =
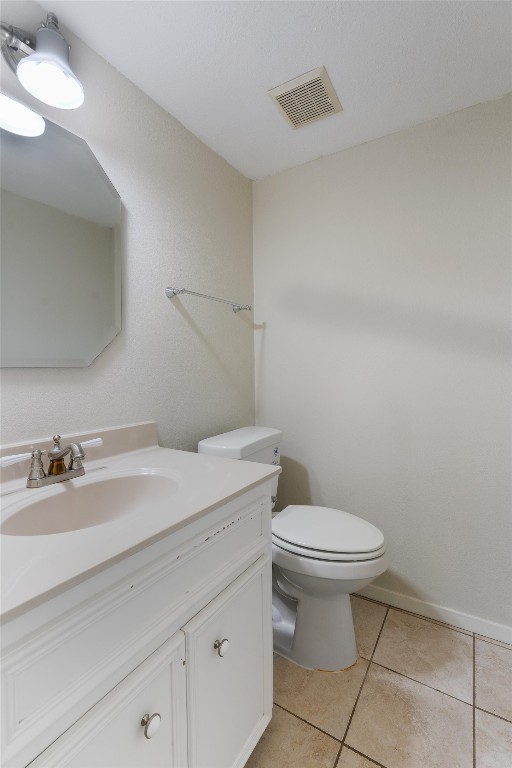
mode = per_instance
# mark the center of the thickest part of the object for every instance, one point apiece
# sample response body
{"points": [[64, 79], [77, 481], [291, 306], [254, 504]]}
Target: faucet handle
{"points": [[94, 443], [15, 458], [36, 468]]}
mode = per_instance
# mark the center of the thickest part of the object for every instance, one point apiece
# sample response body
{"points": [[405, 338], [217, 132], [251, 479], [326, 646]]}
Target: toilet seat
{"points": [[323, 533]]}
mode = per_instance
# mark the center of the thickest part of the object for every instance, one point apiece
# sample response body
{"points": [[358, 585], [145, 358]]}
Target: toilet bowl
{"points": [[319, 556]]}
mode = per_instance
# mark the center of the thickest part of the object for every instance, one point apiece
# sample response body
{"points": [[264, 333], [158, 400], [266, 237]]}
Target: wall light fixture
{"points": [[41, 63], [17, 118]]}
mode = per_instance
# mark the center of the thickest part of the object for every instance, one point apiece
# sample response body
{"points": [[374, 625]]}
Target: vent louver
{"points": [[307, 98]]}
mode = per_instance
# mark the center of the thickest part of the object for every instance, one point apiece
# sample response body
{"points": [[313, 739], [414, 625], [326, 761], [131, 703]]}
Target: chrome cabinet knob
{"points": [[151, 724], [221, 646]]}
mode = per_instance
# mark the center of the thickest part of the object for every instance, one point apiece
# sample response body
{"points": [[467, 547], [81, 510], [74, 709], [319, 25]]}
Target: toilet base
{"points": [[313, 624], [319, 635]]}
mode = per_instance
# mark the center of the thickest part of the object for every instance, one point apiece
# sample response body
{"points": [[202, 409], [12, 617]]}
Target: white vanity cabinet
{"points": [[181, 629]]}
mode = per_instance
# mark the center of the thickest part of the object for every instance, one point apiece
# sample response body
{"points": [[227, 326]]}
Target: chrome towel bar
{"points": [[172, 292]]}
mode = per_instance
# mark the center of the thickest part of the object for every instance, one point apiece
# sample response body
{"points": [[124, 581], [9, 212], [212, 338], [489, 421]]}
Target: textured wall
{"points": [[187, 222], [382, 290]]}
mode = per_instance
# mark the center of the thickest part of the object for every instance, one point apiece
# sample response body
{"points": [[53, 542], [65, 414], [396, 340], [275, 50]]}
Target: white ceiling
{"points": [[210, 64]]}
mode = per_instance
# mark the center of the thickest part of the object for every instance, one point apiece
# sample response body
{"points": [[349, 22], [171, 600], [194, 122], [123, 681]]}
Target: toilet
{"points": [[319, 556]]}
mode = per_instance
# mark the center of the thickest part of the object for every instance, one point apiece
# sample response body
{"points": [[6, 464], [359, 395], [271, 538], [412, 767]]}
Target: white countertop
{"points": [[37, 567]]}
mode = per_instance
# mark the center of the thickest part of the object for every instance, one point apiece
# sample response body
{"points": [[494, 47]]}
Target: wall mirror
{"points": [[60, 254]]}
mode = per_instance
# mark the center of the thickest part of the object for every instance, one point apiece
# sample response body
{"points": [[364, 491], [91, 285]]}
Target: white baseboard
{"points": [[484, 627]]}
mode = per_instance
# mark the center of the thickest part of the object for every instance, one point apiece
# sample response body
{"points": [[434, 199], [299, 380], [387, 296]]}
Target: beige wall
{"points": [[186, 221], [383, 294]]}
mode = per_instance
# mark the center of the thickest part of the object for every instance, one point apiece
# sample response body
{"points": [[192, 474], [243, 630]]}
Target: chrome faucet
{"points": [[57, 470], [56, 456]]}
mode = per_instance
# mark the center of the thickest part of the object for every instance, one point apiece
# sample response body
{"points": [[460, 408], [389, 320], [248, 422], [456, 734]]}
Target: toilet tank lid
{"points": [[240, 443]]}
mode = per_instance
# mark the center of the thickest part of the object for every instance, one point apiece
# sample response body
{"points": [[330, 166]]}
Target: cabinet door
{"points": [[110, 735], [229, 680]]}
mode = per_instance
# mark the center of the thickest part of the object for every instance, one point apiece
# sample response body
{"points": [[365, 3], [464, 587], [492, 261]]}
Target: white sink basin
{"points": [[76, 504]]}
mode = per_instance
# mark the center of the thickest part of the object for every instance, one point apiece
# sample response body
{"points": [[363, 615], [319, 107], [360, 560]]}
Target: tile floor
{"points": [[422, 695]]}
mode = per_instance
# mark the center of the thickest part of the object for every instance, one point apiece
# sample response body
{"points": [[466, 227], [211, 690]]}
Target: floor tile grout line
{"points": [[474, 702], [492, 641], [370, 599], [355, 704], [461, 630], [338, 755], [375, 762], [493, 714], [380, 633], [431, 687], [439, 623], [365, 676], [303, 720]]}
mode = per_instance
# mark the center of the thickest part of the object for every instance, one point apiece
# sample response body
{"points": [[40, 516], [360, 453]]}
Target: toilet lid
{"points": [[326, 533]]}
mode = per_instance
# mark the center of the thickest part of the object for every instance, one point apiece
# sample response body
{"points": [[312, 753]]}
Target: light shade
{"points": [[46, 74], [17, 118]]}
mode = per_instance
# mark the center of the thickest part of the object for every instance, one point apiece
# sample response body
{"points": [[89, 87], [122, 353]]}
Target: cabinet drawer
{"points": [[110, 735], [230, 695]]}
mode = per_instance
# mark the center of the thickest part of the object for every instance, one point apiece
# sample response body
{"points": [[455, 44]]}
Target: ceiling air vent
{"points": [[307, 98]]}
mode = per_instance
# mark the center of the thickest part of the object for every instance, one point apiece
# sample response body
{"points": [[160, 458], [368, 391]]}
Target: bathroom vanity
{"points": [[141, 638]]}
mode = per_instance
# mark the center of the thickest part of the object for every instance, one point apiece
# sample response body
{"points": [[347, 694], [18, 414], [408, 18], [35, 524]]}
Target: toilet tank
{"points": [[248, 443]]}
